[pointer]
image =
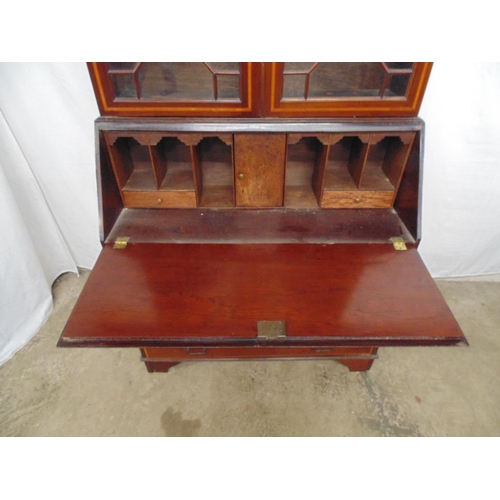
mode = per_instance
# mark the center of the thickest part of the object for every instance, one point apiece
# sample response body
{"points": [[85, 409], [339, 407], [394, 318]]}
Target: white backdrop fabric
{"points": [[461, 192], [48, 202]]}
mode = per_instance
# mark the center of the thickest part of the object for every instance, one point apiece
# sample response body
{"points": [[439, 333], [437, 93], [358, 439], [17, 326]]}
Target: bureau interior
{"points": [[314, 164], [365, 179]]}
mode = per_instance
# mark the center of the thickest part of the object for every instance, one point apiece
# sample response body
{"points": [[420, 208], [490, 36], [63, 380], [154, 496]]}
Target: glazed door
{"points": [[176, 88], [344, 89], [291, 89]]}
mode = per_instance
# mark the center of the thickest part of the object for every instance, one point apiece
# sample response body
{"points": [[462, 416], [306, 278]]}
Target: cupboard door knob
{"points": [[240, 176]]}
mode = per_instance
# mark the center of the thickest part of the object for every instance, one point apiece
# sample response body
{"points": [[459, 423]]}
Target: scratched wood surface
{"points": [[277, 225]]}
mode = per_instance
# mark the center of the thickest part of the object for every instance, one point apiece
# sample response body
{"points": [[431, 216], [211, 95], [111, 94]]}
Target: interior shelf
{"points": [[174, 165], [197, 170], [214, 165], [302, 169], [364, 171], [152, 172], [345, 163], [133, 164], [385, 162]]}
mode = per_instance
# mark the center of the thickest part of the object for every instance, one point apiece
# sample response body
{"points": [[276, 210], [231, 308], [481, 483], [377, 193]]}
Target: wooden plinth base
{"points": [[355, 364]]}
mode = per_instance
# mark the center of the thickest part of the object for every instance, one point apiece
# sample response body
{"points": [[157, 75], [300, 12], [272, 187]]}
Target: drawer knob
{"points": [[357, 200], [159, 200], [241, 176]]}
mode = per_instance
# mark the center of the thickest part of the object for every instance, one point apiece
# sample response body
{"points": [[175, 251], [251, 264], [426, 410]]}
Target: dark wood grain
{"points": [[305, 165], [357, 365], [217, 126], [109, 195], [214, 160], [159, 164], [161, 359], [267, 352], [344, 295], [276, 225], [120, 161], [407, 201], [159, 366], [357, 159]]}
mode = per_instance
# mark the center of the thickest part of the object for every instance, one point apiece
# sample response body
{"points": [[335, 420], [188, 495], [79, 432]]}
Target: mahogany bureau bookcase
{"points": [[260, 211]]}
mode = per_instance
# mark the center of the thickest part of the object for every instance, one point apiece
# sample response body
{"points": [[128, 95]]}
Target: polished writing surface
{"points": [[340, 294]]}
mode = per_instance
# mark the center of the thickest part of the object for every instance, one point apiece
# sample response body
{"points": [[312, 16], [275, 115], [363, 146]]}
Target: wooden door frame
{"points": [[342, 107], [109, 106]]}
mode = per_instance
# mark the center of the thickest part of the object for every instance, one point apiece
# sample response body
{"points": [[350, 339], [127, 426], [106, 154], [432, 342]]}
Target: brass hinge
{"points": [[121, 242], [399, 243], [271, 329]]}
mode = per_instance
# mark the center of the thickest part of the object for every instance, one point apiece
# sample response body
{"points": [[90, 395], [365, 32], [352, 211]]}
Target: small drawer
{"points": [[194, 353], [159, 199], [357, 199]]}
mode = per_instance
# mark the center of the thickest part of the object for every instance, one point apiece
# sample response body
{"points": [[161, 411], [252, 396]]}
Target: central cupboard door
{"points": [[260, 169]]}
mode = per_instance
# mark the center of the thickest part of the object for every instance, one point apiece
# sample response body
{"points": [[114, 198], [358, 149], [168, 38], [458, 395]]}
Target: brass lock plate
{"points": [[271, 329]]}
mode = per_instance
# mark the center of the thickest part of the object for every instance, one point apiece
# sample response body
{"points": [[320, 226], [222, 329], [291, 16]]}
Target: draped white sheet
{"points": [[48, 203], [461, 194]]}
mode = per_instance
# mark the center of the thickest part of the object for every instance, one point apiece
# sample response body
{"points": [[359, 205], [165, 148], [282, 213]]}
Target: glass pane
{"points": [[123, 85], [298, 67], [123, 66], [175, 81], [233, 67], [186, 81], [158, 80], [294, 86], [399, 65], [351, 79], [228, 86], [397, 86]]}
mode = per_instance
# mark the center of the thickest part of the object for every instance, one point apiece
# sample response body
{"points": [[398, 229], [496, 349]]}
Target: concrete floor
{"points": [[433, 391]]}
